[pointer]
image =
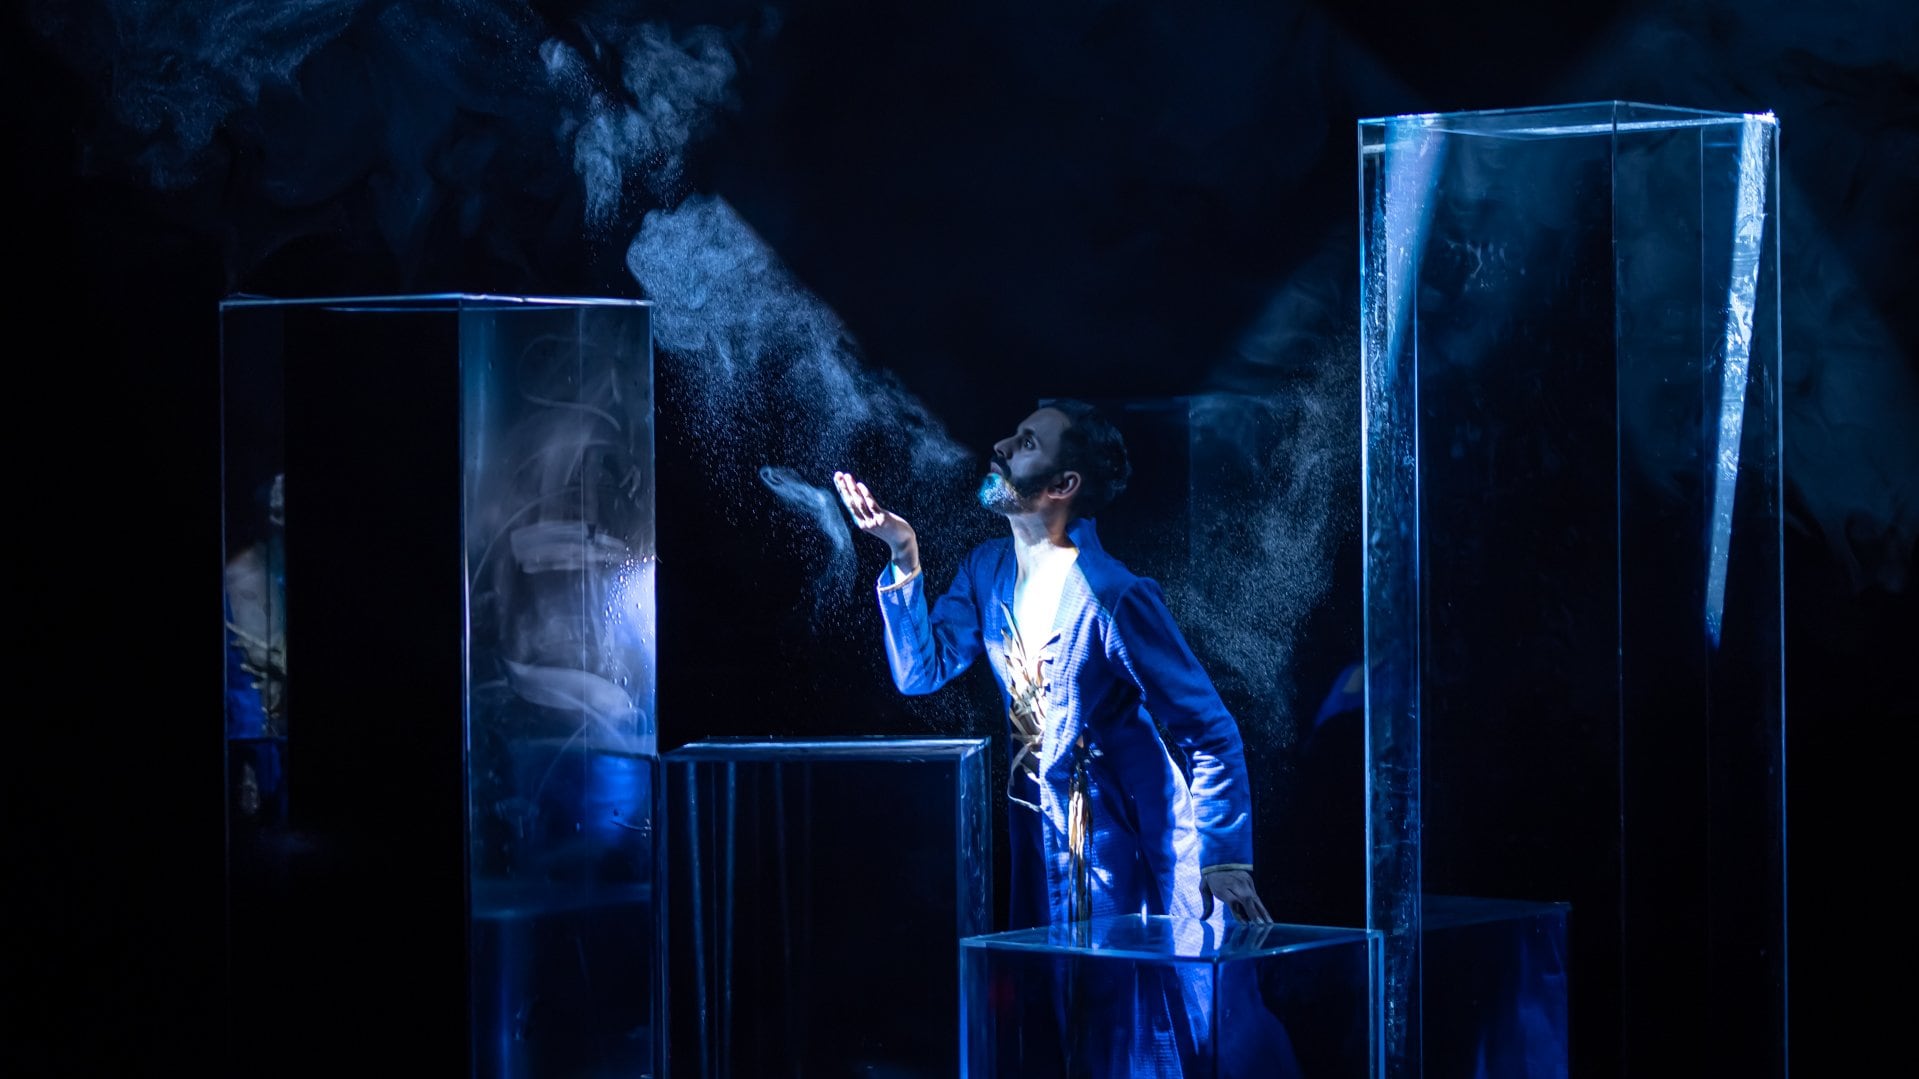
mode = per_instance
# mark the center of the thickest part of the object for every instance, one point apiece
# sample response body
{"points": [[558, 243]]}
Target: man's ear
{"points": [[1066, 486]]}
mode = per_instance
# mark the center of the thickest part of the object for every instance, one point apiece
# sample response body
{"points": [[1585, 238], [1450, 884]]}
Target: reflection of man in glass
{"points": [[256, 626], [255, 599], [1090, 666]]}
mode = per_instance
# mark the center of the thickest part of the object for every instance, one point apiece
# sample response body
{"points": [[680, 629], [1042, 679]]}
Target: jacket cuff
{"points": [[889, 573], [1241, 866]]}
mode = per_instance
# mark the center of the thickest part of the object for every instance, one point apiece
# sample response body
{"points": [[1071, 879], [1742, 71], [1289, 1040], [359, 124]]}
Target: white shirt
{"points": [[1036, 596]]}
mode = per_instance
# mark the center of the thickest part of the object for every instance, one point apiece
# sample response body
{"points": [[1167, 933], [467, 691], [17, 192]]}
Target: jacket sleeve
{"points": [[927, 650], [1176, 692]]}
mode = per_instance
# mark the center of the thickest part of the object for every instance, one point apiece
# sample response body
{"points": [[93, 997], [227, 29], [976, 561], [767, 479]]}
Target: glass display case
{"points": [[1179, 997], [817, 891], [441, 681], [1571, 382]]}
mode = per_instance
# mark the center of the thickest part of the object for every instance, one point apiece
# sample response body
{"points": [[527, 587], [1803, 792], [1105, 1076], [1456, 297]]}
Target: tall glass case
{"points": [[440, 657], [1571, 382]]}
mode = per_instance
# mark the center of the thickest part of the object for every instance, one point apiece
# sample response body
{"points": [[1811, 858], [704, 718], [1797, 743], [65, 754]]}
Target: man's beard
{"points": [[1005, 495]]}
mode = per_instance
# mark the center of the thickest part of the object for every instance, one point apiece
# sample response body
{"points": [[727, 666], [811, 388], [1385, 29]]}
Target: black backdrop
{"points": [[999, 204]]}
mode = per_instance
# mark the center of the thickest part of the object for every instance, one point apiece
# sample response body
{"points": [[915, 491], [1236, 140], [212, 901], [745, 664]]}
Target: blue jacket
{"points": [[1117, 671]]}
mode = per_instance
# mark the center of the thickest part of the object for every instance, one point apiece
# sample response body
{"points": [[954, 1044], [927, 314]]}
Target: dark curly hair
{"points": [[1092, 447]]}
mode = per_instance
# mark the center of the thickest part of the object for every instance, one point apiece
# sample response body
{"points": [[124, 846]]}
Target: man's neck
{"points": [[1037, 539]]}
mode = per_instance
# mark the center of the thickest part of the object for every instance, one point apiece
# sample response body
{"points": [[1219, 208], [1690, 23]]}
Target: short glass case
{"points": [[1178, 997], [817, 892]]}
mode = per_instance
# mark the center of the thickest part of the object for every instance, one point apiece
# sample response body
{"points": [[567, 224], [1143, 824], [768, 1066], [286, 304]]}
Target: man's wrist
{"points": [[907, 559]]}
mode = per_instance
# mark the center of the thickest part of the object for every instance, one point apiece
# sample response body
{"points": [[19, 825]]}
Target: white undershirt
{"points": [[1036, 595]]}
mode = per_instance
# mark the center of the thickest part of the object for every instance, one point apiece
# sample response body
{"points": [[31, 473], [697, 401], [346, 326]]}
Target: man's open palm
{"points": [[870, 517]]}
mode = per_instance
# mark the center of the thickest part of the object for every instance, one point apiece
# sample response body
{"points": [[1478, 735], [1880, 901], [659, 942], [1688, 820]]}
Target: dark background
{"points": [[1000, 201]]}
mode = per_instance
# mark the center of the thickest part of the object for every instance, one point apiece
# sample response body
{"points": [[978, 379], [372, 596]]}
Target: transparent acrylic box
{"points": [[1153, 995], [1573, 560], [440, 546], [1494, 973], [816, 893]]}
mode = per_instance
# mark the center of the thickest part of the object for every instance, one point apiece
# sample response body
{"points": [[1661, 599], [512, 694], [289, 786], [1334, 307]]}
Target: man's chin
{"points": [[998, 496]]}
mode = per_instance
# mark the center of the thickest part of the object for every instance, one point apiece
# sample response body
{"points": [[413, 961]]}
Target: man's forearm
{"points": [[906, 559]]}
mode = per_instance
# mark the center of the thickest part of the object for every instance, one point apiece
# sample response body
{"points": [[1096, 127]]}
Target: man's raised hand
{"points": [[876, 521]]}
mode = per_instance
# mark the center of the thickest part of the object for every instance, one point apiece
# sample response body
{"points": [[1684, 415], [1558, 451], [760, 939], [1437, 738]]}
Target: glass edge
{"points": [[880, 748], [1703, 115], [1439, 924], [431, 300], [1005, 942]]}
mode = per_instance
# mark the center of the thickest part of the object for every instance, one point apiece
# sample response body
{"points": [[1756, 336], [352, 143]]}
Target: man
{"points": [[1089, 664]]}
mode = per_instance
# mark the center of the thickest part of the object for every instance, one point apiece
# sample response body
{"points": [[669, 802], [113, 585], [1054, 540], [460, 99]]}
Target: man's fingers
{"points": [[1247, 906], [1240, 897], [874, 513], [859, 502], [850, 498]]}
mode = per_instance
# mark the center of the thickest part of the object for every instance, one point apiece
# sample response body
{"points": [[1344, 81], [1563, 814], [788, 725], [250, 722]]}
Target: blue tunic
{"points": [[1114, 672], [1116, 669]]}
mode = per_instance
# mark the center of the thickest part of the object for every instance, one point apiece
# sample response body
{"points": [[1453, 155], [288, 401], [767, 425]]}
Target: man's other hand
{"points": [[1234, 888]]}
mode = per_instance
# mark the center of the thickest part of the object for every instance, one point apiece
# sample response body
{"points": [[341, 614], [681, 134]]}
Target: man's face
{"points": [[1024, 464]]}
